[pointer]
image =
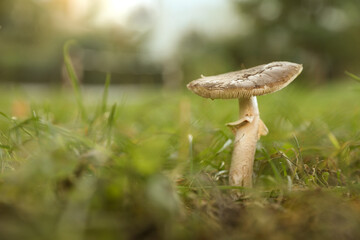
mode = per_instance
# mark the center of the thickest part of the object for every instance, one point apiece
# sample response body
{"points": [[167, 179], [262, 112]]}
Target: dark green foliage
{"points": [[322, 35]]}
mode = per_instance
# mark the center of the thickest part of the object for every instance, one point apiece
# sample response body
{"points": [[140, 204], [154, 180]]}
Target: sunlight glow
{"points": [[117, 11]]}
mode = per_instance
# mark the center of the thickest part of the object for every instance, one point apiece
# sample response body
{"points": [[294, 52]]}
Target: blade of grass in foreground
{"points": [[105, 93], [111, 122], [73, 78]]}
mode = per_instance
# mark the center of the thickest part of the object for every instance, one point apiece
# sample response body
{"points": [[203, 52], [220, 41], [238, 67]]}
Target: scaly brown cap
{"points": [[245, 83]]}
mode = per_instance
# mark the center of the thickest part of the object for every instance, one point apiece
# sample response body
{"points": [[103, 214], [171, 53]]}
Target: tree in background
{"points": [[322, 35]]}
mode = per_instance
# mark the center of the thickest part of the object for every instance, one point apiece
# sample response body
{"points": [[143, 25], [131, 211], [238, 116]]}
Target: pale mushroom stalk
{"points": [[247, 130]]}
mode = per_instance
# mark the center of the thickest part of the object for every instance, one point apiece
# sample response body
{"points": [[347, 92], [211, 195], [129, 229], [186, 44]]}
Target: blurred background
{"points": [[171, 42]]}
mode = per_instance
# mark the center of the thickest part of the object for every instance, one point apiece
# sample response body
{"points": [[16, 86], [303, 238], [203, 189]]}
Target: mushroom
{"points": [[245, 85]]}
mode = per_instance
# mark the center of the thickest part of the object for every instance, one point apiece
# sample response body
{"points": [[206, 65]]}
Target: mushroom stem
{"points": [[248, 130]]}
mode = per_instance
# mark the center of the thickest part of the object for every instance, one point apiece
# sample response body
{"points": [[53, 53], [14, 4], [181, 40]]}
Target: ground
{"points": [[140, 163]]}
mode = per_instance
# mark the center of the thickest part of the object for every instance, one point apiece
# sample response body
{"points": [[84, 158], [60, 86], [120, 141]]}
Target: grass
{"points": [[154, 166]]}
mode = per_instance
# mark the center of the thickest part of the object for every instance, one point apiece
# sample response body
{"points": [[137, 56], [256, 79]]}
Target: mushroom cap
{"points": [[255, 81]]}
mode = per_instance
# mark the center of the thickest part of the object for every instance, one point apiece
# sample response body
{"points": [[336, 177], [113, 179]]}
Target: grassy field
{"points": [[152, 164]]}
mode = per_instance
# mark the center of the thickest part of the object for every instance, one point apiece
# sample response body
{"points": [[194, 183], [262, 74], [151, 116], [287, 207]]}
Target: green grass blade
{"points": [[353, 76], [73, 78], [5, 147], [5, 116], [275, 170], [106, 93], [334, 140], [111, 122], [111, 116]]}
